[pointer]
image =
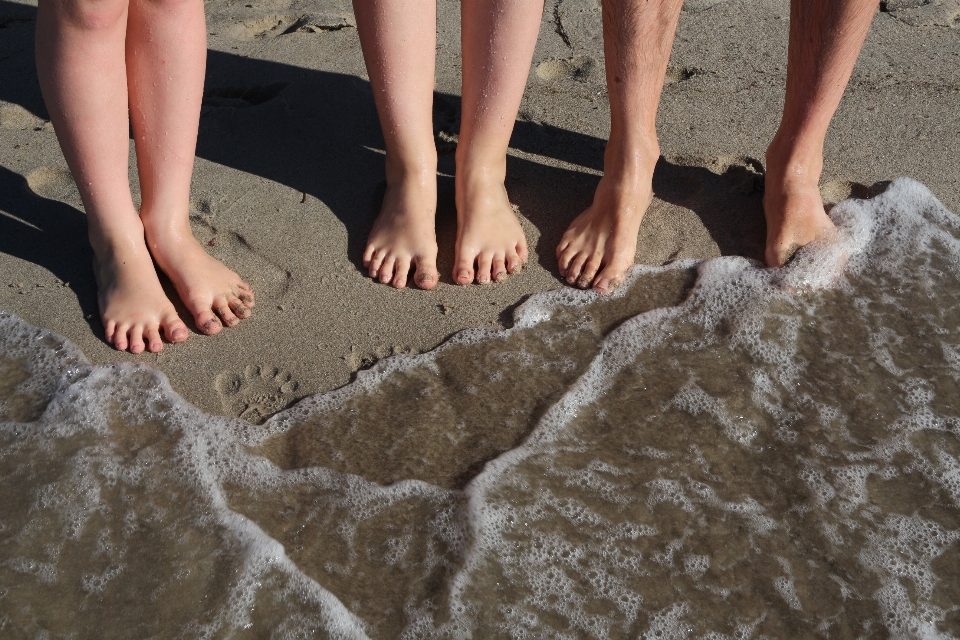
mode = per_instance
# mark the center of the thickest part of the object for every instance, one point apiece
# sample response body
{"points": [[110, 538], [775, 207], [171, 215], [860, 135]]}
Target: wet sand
{"points": [[289, 175]]}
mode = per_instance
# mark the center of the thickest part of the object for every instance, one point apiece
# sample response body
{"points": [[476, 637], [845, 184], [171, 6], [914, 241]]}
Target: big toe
{"points": [[207, 322], [427, 275], [609, 278]]}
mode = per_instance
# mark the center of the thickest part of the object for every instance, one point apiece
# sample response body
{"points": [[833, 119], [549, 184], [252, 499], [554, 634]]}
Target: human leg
{"points": [[398, 41], [600, 244], [80, 61], [825, 39], [166, 56], [498, 38]]}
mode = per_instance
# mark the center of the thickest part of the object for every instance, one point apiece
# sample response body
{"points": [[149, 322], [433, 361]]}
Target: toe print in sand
{"points": [[256, 393]]}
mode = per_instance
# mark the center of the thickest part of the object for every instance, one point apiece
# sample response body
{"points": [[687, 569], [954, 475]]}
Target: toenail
{"points": [[500, 275]]}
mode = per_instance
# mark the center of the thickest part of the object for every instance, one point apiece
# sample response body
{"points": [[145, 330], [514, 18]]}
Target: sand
{"points": [[289, 175]]}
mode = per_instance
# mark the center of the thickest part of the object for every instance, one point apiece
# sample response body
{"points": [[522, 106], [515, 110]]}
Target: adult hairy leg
{"points": [[825, 39], [600, 244]]}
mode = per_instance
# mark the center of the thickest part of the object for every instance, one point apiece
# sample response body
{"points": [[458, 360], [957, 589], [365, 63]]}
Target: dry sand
{"points": [[289, 174]]}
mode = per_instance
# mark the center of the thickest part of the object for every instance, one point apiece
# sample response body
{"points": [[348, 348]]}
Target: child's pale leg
{"points": [[80, 60], [398, 38], [601, 243], [166, 58], [498, 38], [825, 39]]}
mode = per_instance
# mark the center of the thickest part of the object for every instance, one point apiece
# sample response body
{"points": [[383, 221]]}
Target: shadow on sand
{"points": [[317, 132]]}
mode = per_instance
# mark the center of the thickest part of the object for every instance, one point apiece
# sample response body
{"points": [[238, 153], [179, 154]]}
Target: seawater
{"points": [[719, 451]]}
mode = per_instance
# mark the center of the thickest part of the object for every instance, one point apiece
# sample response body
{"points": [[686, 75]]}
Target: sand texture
{"points": [[289, 175]]}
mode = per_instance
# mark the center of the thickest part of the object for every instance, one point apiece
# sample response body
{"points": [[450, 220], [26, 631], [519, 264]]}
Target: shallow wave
{"points": [[718, 450]]}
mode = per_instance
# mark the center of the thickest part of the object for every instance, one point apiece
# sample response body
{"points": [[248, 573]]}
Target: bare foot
{"points": [[601, 243], [133, 307], [793, 208], [404, 234], [490, 240], [214, 294]]}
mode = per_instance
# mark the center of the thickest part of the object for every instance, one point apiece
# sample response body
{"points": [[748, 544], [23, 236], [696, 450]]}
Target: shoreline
{"points": [[289, 175]]}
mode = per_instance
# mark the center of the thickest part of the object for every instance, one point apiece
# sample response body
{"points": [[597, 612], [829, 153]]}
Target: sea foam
{"points": [[719, 450]]}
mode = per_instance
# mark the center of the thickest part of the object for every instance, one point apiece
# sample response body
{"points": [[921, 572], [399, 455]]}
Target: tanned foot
{"points": [[490, 240], [404, 234], [133, 307], [793, 208], [215, 295], [601, 243]]}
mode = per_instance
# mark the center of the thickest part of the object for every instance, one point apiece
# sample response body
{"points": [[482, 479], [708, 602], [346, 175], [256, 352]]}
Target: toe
{"points": [[499, 269], [574, 267], [368, 255], [109, 330], [208, 323], [386, 271], [609, 278], [373, 267], [426, 276], [239, 309], [564, 260], [514, 263], [463, 270], [154, 343], [135, 336], [522, 252], [173, 328], [222, 308], [120, 336], [245, 293], [400, 271], [484, 267], [589, 272]]}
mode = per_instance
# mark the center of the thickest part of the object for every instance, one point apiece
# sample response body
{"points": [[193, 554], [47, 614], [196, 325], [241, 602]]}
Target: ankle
{"points": [[794, 160], [109, 243], [630, 167], [166, 230], [419, 169]]}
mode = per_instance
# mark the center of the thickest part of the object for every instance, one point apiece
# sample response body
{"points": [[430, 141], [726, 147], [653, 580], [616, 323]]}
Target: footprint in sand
{"points": [[924, 13], [13, 116], [232, 249], [553, 69], [679, 74], [54, 183], [257, 27], [358, 360], [257, 393], [579, 24], [695, 6], [274, 25], [836, 191]]}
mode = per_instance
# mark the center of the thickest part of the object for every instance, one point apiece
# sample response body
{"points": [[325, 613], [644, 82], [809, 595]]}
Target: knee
{"points": [[91, 15]]}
